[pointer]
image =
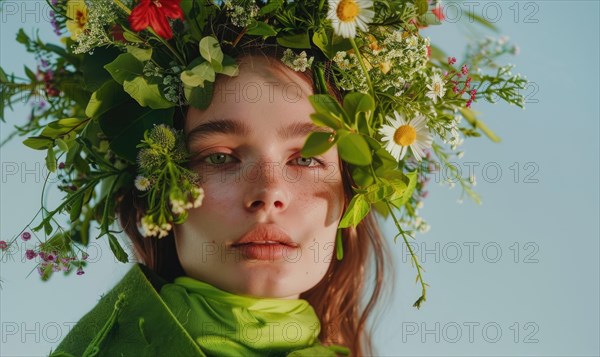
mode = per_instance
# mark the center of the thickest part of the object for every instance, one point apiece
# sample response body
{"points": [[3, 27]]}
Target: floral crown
{"points": [[140, 60]]}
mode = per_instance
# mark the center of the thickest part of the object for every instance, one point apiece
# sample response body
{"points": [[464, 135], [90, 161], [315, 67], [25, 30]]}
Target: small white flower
{"points": [[298, 63], [151, 229], [400, 135], [436, 88], [142, 183], [198, 193], [412, 42], [346, 15]]}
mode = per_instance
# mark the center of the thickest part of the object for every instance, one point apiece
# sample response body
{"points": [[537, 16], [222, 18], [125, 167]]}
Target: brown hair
{"points": [[343, 321]]}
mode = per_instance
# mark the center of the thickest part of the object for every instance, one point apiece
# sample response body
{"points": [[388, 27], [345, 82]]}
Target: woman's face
{"points": [[246, 148]]}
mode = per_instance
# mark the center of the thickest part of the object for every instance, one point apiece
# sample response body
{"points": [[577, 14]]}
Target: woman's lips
{"points": [[266, 242], [267, 251]]}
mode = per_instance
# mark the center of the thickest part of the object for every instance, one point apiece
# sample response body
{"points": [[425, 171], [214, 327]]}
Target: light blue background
{"points": [[540, 296]]}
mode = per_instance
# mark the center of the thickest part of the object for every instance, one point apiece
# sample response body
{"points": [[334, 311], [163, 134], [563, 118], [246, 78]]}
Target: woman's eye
{"points": [[307, 161], [220, 158], [216, 158]]}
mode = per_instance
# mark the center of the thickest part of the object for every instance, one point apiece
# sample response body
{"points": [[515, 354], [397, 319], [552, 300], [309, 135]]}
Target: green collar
{"points": [[133, 320]]}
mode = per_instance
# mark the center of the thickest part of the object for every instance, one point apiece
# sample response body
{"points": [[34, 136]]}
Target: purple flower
{"points": [[3, 245], [26, 236], [80, 271], [30, 254]]}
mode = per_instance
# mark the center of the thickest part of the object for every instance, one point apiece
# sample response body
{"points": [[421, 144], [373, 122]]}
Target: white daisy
{"points": [[142, 183], [400, 135], [436, 88], [346, 15]]}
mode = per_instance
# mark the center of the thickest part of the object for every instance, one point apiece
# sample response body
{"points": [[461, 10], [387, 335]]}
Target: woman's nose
{"points": [[267, 188]]}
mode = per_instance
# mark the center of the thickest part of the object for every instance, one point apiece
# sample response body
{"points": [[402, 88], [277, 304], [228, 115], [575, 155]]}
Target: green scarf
{"points": [[226, 324]]}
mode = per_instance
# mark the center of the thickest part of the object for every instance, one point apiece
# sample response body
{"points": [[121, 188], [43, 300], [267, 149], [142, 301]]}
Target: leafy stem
{"points": [[413, 256], [364, 68]]}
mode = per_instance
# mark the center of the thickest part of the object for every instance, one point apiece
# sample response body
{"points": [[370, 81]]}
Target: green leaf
{"points": [[146, 94], [125, 125], [48, 228], [23, 38], [271, 6], [339, 251], [126, 67], [330, 44], [200, 97], [38, 142], [30, 74], [51, 160], [385, 161], [62, 145], [128, 71], [84, 231], [328, 105], [356, 211], [429, 19], [300, 40], [404, 189], [141, 54], [362, 176], [76, 89], [326, 120], [117, 249], [354, 149], [210, 50], [108, 96], [357, 102], [379, 191], [230, 67], [198, 75], [76, 208], [421, 6], [260, 28], [317, 143], [92, 67], [62, 126], [131, 37]]}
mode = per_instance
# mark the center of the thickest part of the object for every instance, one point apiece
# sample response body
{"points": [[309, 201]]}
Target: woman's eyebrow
{"points": [[238, 128]]}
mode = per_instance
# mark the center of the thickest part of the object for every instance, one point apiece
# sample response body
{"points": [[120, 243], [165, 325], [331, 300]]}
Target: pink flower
{"points": [[155, 13], [30, 254], [3, 245], [438, 11], [464, 69], [26, 236]]}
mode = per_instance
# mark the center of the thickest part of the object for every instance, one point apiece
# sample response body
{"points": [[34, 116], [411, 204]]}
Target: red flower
{"points": [[154, 13], [438, 11]]}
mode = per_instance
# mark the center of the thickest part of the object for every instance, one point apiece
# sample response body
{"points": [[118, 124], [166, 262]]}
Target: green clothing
{"points": [[224, 323], [133, 320]]}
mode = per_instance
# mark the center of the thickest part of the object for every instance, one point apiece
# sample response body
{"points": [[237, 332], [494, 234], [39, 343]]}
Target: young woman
{"points": [[246, 148], [247, 178]]}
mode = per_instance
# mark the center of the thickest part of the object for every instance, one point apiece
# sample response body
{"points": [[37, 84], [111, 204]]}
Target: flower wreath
{"points": [[142, 59]]}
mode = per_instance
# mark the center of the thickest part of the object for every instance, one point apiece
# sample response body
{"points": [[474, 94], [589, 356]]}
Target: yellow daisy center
{"points": [[405, 135], [347, 10]]}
